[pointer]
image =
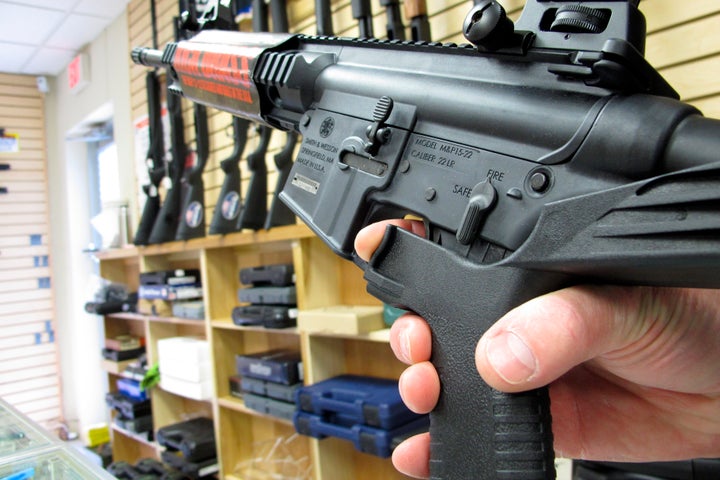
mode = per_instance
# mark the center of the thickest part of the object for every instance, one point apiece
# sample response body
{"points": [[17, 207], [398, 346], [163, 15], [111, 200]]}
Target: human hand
{"points": [[632, 371]]}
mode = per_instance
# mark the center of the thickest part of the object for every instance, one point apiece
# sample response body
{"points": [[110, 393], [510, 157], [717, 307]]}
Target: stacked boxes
{"points": [[185, 367], [367, 411], [130, 401], [271, 296], [166, 292], [267, 381], [123, 347], [190, 447], [132, 406]]}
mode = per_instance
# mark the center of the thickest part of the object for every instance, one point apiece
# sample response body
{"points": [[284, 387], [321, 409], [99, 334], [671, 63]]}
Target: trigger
{"points": [[429, 230]]}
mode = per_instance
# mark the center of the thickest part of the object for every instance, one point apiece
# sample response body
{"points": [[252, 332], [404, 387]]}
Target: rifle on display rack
{"points": [[167, 219], [323, 18], [416, 11], [215, 16], [254, 208], [279, 213], [394, 26], [547, 154], [155, 158], [362, 12], [229, 203]]}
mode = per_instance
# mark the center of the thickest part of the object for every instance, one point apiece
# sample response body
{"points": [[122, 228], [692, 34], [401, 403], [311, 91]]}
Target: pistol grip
{"points": [[476, 432]]}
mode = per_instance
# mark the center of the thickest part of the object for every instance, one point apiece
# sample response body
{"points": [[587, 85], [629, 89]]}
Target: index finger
{"points": [[369, 238]]}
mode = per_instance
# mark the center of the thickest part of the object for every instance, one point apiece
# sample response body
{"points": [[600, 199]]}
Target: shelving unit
{"points": [[322, 279]]}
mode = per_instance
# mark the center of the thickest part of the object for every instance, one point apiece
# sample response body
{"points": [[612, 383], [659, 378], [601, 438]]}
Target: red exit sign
{"points": [[78, 73]]}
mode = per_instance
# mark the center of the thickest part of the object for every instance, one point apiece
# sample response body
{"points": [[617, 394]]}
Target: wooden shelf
{"points": [[322, 279], [129, 447], [128, 316], [117, 253], [238, 239], [116, 368], [135, 436], [381, 336], [228, 324], [140, 317]]}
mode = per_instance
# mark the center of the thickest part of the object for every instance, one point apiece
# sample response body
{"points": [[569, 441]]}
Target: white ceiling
{"points": [[40, 37]]}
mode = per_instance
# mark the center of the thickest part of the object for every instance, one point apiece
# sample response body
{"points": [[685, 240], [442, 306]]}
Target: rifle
{"points": [[227, 208], [362, 12], [155, 157], [279, 214], [166, 222], [229, 203], [192, 220], [323, 18], [255, 208], [394, 27], [541, 158], [191, 223], [416, 11]]}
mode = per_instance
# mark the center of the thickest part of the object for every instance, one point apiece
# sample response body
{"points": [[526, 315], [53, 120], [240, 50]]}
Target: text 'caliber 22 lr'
{"points": [[546, 154]]}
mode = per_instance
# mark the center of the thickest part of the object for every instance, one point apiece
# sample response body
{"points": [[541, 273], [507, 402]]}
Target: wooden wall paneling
{"points": [[29, 369], [661, 14], [26, 268]]}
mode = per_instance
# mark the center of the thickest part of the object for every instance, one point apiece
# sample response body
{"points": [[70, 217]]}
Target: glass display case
{"points": [[29, 452]]}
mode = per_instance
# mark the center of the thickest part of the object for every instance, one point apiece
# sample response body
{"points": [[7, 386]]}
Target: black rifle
{"points": [[192, 220], [168, 218], [254, 210], [229, 203], [362, 12], [394, 26], [192, 206], [279, 213], [278, 13], [540, 159], [156, 149], [323, 18], [416, 11]]}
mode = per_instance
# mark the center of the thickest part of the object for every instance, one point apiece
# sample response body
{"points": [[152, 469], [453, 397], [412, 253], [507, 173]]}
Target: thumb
{"points": [[544, 338]]}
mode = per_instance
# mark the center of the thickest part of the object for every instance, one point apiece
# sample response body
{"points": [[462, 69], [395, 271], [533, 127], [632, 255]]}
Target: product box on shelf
{"points": [[367, 411], [374, 441], [341, 319], [372, 401], [185, 367], [280, 366]]}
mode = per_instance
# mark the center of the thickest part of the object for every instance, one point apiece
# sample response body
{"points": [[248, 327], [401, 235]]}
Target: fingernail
{"points": [[401, 382], [404, 341], [511, 358]]}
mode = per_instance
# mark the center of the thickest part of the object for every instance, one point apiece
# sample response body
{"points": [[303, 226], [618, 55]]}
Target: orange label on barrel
{"points": [[222, 73]]}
